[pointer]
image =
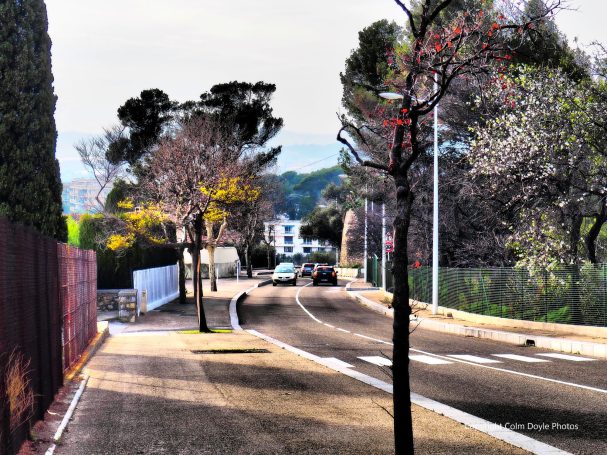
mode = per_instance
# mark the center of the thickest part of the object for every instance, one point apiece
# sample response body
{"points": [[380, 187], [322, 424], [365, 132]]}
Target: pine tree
{"points": [[30, 185]]}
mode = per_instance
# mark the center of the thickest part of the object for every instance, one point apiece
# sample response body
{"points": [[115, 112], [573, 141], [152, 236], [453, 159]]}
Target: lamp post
{"points": [[365, 253], [435, 214], [397, 96]]}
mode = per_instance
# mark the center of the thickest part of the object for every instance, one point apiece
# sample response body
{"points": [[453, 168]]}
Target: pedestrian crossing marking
{"points": [[429, 360], [473, 358], [521, 358], [567, 357], [377, 360], [336, 362]]}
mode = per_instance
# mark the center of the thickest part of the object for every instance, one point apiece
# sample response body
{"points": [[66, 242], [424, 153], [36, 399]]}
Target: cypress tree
{"points": [[30, 185]]}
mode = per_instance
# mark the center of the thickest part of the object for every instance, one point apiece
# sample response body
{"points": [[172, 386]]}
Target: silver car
{"points": [[284, 274]]}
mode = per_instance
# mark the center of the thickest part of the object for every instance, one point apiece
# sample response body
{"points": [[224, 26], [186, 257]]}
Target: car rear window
{"points": [[325, 269]]}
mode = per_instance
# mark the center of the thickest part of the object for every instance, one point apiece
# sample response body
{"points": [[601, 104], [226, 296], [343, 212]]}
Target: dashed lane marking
{"points": [[369, 338]]}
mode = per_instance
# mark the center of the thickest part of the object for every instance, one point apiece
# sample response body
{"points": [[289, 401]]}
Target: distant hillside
{"points": [[302, 191], [308, 157]]}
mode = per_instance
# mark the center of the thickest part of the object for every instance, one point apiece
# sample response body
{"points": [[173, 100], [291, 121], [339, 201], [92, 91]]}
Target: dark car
{"points": [[307, 269], [324, 274]]}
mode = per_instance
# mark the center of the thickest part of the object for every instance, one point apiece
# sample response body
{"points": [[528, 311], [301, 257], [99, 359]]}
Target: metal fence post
{"points": [[604, 297], [545, 273]]}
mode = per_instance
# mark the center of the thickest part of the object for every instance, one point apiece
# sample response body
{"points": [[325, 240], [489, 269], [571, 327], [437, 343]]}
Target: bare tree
{"points": [[93, 153]]}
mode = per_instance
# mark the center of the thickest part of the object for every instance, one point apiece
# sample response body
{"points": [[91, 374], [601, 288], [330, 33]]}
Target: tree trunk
{"points": [[599, 219], [576, 226], [575, 236], [268, 254], [212, 271], [182, 289], [197, 276], [247, 257], [403, 427]]}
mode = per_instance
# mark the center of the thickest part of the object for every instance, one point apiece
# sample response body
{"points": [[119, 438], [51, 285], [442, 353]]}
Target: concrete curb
{"points": [[103, 332], [597, 350], [234, 322]]}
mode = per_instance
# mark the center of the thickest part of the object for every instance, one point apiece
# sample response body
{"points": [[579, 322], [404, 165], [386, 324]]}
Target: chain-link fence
{"points": [[78, 290], [565, 295], [30, 331], [47, 295]]}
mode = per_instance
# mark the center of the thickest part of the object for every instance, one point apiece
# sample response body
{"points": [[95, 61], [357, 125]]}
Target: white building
{"points": [[283, 234], [225, 262], [79, 196]]}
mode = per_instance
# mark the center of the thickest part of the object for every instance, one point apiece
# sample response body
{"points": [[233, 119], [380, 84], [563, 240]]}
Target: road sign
{"points": [[389, 246]]}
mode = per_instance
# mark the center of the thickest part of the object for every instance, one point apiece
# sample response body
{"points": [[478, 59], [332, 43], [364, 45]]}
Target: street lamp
{"points": [[397, 96]]}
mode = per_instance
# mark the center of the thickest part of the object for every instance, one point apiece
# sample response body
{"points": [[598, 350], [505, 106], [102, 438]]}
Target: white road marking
{"points": [[466, 359], [377, 360], [303, 307], [369, 338], [473, 358], [484, 426], [521, 358], [517, 373], [429, 360], [336, 362], [329, 325], [374, 382], [67, 416], [567, 357]]}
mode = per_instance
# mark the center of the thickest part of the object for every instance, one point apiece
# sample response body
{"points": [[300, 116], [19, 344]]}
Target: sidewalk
{"points": [[156, 388], [550, 336]]}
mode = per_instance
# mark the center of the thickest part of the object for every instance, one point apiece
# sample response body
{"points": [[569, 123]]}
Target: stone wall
{"points": [[127, 305], [123, 301], [107, 300]]}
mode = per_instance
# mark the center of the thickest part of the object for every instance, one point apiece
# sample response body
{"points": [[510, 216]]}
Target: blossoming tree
{"points": [[442, 44]]}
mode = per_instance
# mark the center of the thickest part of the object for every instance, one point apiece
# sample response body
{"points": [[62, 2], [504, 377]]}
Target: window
{"points": [[288, 240], [307, 249], [289, 229], [288, 249], [307, 241]]}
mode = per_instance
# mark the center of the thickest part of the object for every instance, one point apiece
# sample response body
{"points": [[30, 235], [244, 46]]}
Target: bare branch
{"points": [[356, 154], [409, 16]]}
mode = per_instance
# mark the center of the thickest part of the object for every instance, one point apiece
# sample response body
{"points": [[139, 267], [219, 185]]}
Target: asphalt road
{"points": [[557, 400]]}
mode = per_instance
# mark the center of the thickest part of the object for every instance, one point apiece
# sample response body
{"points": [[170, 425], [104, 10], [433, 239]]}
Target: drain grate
{"points": [[230, 351]]}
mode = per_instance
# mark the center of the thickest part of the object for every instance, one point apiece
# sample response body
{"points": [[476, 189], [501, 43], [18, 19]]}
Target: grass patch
{"points": [[196, 332]]}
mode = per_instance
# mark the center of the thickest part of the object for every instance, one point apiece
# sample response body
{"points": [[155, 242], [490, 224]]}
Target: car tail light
{"points": [[314, 274], [333, 275]]}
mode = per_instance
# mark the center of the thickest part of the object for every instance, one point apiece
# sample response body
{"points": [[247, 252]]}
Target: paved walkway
{"points": [[156, 388]]}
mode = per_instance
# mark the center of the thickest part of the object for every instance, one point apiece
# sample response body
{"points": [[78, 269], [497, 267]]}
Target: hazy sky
{"points": [[105, 52]]}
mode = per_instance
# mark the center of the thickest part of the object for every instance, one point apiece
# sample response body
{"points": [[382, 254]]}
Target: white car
{"points": [[284, 274]]}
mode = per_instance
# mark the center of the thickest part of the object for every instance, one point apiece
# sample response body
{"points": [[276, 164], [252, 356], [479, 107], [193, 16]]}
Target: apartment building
{"points": [[79, 196], [284, 235]]}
